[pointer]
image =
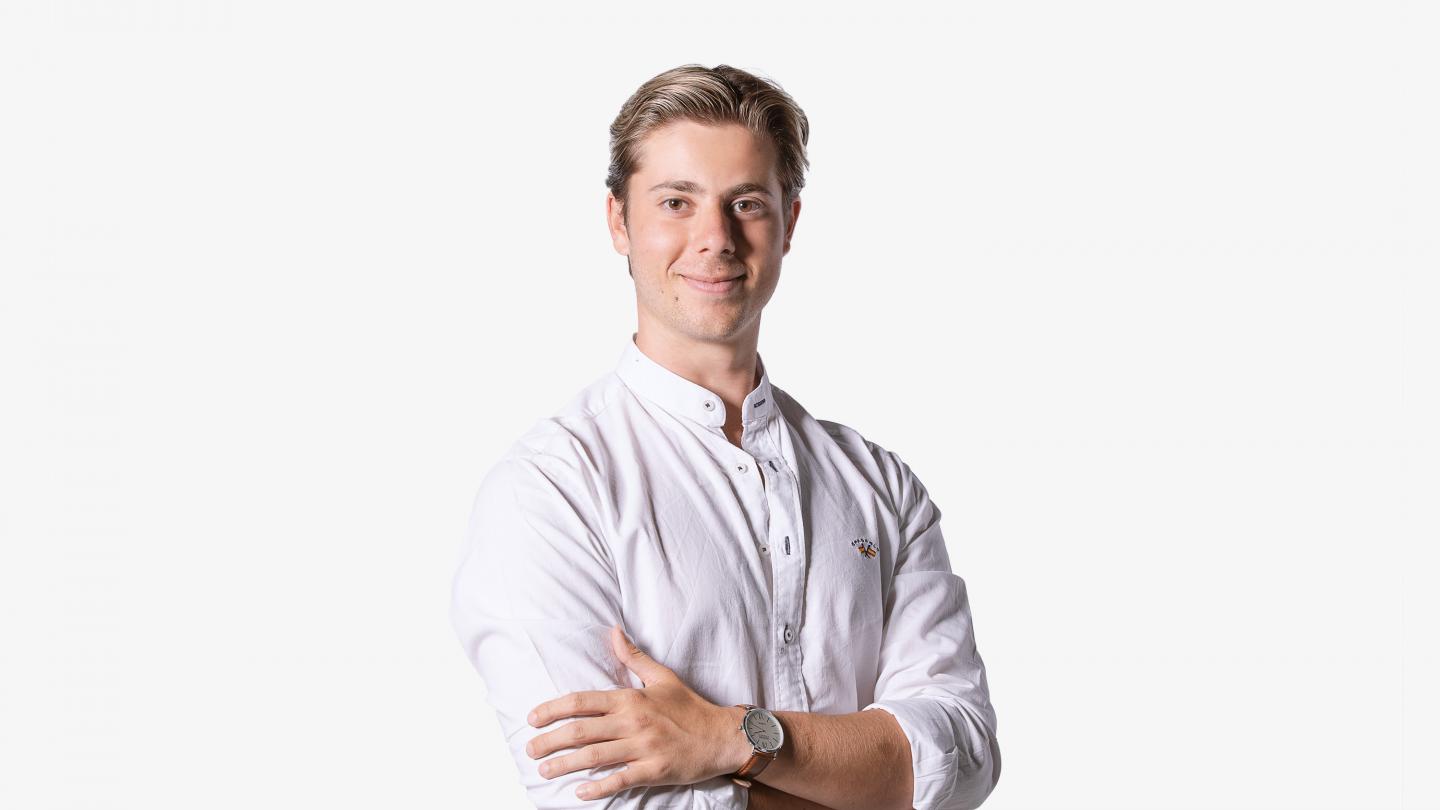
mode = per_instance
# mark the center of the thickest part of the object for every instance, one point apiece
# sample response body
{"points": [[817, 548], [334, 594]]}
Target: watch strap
{"points": [[752, 768]]}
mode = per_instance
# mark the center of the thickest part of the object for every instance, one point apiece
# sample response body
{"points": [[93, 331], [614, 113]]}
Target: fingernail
{"points": [[533, 717], [583, 791]]}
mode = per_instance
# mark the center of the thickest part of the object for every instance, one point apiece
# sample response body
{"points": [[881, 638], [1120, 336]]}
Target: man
{"points": [[682, 590]]}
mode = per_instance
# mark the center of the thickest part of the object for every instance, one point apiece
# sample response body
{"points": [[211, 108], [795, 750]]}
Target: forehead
{"points": [[722, 153]]}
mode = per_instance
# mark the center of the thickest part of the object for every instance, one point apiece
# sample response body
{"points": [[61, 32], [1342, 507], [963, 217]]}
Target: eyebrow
{"points": [[688, 187]]}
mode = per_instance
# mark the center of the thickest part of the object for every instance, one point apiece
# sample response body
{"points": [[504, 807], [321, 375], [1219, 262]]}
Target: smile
{"points": [[719, 287]]}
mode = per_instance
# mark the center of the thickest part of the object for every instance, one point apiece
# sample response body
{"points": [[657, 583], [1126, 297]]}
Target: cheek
{"points": [[763, 231], [657, 238]]}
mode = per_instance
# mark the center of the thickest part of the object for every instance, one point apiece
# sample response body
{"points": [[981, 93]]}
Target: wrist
{"points": [[734, 746]]}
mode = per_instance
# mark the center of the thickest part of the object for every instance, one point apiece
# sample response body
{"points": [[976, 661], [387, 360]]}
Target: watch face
{"points": [[763, 730]]}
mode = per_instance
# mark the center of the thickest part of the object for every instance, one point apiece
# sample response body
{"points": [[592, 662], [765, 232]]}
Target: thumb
{"points": [[649, 670]]}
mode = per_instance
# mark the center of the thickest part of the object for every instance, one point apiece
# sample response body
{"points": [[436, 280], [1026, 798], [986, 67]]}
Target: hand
{"points": [[665, 732]]}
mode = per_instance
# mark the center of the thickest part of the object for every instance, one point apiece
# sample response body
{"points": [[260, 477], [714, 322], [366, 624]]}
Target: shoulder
{"points": [[845, 444], [550, 482], [573, 431], [558, 458]]}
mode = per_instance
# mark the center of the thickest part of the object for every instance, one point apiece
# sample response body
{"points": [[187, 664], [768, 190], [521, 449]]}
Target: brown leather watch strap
{"points": [[752, 768]]}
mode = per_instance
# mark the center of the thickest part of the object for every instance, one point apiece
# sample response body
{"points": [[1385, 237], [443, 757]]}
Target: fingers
{"points": [[634, 775], [596, 755], [575, 704]]}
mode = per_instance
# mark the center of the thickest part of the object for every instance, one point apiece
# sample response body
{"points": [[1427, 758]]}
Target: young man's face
{"points": [[705, 206]]}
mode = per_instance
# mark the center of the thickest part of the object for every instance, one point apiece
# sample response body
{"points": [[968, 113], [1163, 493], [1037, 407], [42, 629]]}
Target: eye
{"points": [[754, 205], [666, 202]]}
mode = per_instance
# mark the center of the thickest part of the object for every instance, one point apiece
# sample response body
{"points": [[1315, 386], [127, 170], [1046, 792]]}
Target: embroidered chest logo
{"points": [[865, 547]]}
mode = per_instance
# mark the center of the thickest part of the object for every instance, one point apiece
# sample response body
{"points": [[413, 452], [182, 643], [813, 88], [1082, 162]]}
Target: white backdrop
{"points": [[1144, 292]]}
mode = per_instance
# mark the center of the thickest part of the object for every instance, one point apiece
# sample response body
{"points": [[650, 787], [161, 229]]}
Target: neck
{"points": [[730, 369]]}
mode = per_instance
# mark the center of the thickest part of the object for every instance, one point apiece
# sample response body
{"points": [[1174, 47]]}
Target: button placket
{"points": [[783, 495]]}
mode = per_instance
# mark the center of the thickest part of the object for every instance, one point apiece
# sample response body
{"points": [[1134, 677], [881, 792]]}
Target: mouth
{"points": [[718, 286]]}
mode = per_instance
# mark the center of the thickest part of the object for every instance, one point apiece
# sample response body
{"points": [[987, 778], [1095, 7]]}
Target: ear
{"points": [[790, 229], [615, 221]]}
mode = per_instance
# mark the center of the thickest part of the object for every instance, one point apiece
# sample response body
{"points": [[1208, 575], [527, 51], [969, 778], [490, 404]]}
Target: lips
{"points": [[716, 280], [722, 285]]}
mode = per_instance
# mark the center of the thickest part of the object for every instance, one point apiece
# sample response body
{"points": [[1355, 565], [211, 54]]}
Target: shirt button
{"points": [[709, 405], [764, 549], [742, 468], [789, 635]]}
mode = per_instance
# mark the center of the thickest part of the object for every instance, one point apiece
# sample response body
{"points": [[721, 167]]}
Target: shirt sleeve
{"points": [[532, 601], [931, 676]]}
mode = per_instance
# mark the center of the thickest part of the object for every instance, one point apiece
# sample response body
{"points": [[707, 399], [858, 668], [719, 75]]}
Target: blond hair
{"points": [[718, 95]]}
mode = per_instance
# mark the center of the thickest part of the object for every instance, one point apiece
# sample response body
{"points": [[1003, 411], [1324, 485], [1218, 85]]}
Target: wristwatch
{"points": [[765, 734]]}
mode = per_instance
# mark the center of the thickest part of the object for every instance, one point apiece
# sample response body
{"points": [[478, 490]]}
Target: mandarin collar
{"points": [[682, 397]]}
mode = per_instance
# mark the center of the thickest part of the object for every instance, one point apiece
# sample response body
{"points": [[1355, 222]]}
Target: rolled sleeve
{"points": [[532, 601], [932, 678]]}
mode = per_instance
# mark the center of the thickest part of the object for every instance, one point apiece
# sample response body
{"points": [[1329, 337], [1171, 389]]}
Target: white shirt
{"points": [[803, 570]]}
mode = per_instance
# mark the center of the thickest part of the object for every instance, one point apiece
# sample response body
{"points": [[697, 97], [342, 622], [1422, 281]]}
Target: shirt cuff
{"points": [[947, 775]]}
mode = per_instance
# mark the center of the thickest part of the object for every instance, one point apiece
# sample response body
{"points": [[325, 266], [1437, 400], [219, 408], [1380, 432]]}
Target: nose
{"points": [[714, 231]]}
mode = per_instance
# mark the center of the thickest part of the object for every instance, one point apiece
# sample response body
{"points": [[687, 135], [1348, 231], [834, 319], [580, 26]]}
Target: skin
{"points": [[666, 732]]}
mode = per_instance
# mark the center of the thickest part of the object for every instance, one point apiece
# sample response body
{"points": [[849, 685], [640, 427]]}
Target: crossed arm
{"points": [[670, 735]]}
